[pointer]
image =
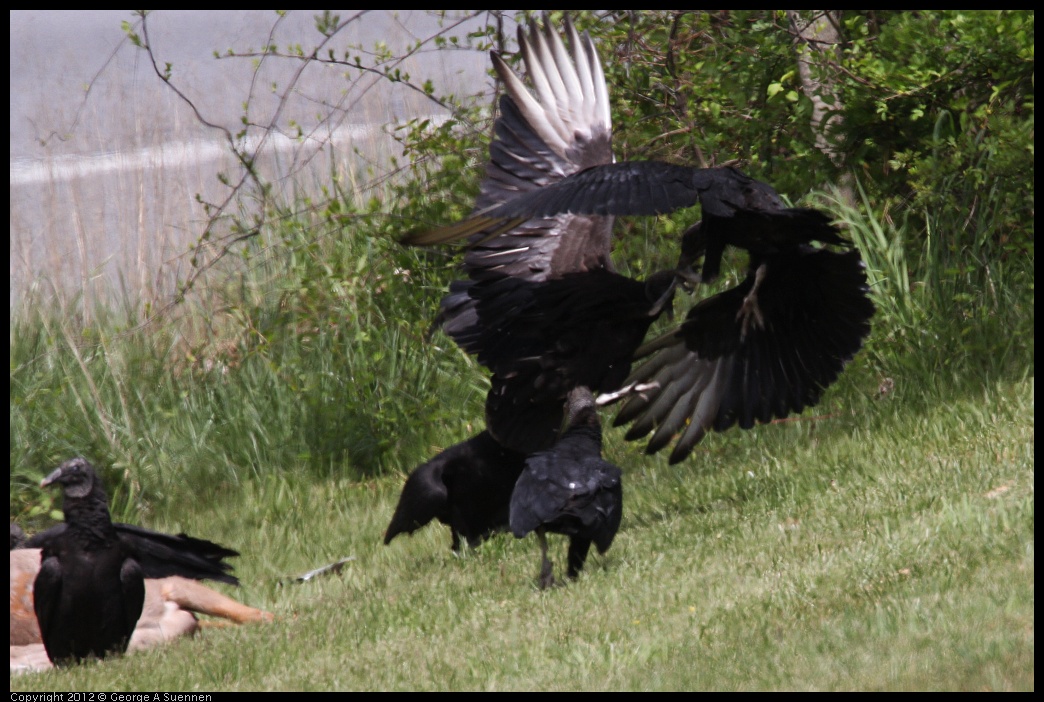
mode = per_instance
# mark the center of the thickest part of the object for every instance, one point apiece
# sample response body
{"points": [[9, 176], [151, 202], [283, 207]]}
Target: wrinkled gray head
{"points": [[577, 401], [76, 476]]}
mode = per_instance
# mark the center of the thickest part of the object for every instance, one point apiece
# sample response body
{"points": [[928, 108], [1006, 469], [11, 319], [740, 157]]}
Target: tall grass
{"points": [[955, 308], [311, 356]]}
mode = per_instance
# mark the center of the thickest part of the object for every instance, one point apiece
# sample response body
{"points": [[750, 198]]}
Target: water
{"points": [[107, 162]]}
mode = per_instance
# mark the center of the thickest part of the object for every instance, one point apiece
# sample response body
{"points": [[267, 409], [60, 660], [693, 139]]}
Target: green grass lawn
{"points": [[887, 548]]}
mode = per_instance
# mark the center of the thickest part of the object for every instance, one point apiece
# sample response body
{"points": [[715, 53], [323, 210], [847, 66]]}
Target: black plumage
{"points": [[467, 487], [541, 339], [90, 591], [737, 210], [542, 307], [18, 537], [766, 348], [569, 489], [159, 555], [758, 351]]}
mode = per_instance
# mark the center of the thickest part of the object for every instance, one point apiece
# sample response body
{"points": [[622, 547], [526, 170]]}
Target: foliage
{"points": [[704, 88], [299, 337], [946, 317], [939, 114]]}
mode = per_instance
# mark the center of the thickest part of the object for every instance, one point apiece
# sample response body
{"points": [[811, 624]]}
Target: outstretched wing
{"points": [[737, 210], [711, 372], [559, 128], [162, 555], [515, 278]]}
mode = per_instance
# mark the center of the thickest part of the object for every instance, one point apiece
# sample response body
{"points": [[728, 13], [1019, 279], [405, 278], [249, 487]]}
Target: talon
{"points": [[749, 309], [688, 278]]}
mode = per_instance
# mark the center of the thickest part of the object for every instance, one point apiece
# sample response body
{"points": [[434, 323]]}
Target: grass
{"points": [[890, 548], [288, 367]]}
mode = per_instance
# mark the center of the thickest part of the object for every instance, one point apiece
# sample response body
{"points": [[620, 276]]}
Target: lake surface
{"points": [[107, 160]]}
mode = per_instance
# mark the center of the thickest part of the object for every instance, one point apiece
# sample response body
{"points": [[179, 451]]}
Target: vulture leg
{"points": [[749, 310], [547, 578]]}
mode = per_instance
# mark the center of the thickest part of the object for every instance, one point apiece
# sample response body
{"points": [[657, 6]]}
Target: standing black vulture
{"points": [[765, 349], [466, 487], [568, 489], [90, 591]]}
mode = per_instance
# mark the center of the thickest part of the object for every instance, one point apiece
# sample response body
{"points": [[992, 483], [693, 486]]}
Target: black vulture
{"points": [[90, 591], [568, 489], [766, 348], [541, 339], [159, 555], [542, 306], [466, 487]]}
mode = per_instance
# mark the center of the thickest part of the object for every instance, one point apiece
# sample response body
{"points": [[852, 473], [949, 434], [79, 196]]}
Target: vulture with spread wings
{"points": [[544, 310]]}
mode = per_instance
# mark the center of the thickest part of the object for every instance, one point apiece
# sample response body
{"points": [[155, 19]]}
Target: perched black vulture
{"points": [[159, 555], [568, 489], [466, 487], [90, 591], [539, 250]]}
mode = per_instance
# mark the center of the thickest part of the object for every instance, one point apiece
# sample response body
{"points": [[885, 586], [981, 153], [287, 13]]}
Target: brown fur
{"points": [[171, 605]]}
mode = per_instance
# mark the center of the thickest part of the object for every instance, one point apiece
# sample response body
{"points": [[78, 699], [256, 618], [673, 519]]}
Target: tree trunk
{"points": [[817, 40]]}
